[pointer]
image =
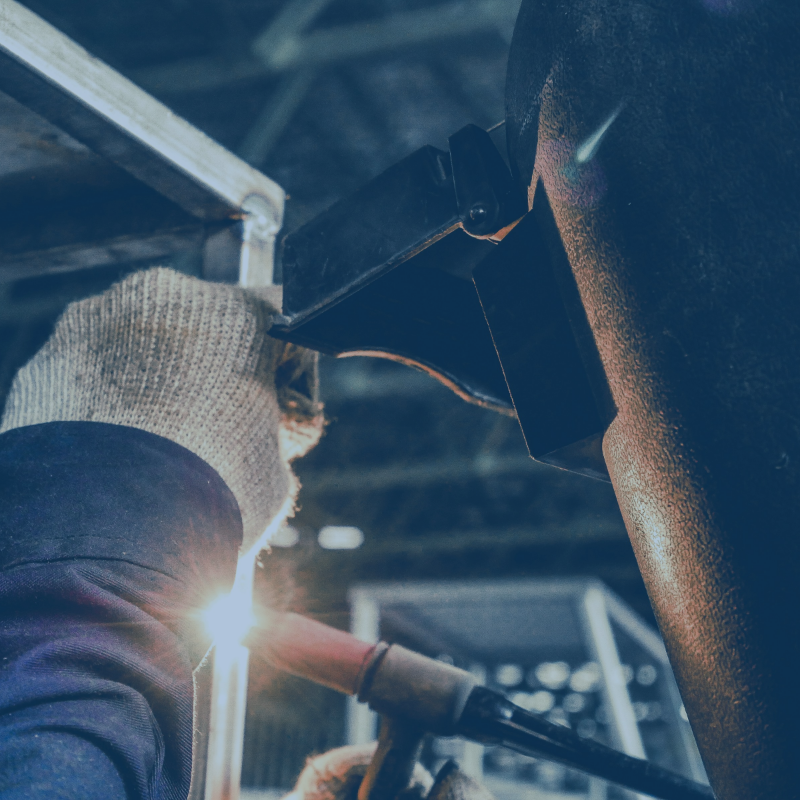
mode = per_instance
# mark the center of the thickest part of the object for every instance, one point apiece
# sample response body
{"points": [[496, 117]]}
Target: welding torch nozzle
{"points": [[392, 680]]}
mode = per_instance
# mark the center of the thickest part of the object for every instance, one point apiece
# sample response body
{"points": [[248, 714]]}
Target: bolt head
{"points": [[478, 212]]}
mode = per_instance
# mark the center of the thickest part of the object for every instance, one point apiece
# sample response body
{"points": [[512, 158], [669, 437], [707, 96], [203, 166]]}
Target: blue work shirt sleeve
{"points": [[111, 542]]}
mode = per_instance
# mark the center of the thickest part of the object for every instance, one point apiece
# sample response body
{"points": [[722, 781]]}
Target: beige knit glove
{"points": [[337, 774], [190, 361]]}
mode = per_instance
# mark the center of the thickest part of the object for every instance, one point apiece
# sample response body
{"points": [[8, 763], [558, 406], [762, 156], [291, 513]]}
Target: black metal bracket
{"points": [[487, 197], [542, 338], [386, 271]]}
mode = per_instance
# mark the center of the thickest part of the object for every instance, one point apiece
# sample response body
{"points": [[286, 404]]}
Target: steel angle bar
{"points": [[336, 44], [58, 79], [100, 253], [396, 32]]}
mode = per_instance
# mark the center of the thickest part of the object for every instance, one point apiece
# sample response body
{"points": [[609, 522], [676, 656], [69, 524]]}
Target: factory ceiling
{"points": [[322, 95]]}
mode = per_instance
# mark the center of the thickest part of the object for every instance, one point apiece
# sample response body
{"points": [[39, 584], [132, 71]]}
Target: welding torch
{"points": [[416, 694]]}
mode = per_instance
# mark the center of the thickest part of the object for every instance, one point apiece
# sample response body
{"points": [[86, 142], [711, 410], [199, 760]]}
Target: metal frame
{"points": [[57, 79], [597, 607], [284, 47], [619, 613], [186, 190]]}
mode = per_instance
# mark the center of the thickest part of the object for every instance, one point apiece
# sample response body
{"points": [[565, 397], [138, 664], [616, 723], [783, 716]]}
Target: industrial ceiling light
{"points": [[340, 537]]}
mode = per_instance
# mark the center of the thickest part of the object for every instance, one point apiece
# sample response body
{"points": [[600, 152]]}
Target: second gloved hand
{"points": [[337, 775]]}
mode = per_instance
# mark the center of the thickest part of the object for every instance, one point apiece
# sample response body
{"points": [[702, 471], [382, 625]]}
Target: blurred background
{"points": [[410, 483]]}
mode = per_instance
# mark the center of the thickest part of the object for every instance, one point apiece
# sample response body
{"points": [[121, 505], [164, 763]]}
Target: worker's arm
{"points": [[112, 538], [134, 443]]}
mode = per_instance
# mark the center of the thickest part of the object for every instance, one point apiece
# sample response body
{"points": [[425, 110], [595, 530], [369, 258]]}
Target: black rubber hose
{"points": [[491, 718]]}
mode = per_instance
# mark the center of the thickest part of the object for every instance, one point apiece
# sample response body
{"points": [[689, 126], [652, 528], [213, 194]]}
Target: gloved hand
{"points": [[190, 361], [337, 774]]}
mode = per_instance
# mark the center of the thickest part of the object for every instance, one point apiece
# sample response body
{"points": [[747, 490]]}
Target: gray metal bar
{"points": [[290, 20], [635, 627], [615, 690], [423, 473], [629, 622], [442, 543], [422, 592], [340, 43], [83, 255], [200, 74], [397, 32], [51, 74], [365, 625]]}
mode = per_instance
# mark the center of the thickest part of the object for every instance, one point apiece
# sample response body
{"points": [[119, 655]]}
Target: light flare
{"points": [[228, 619], [587, 150]]}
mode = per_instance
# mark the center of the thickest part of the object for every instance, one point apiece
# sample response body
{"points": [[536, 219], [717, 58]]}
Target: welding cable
{"points": [[490, 718]]}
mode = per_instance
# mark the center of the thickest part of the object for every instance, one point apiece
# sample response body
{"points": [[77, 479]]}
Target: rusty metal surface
{"points": [[665, 136]]}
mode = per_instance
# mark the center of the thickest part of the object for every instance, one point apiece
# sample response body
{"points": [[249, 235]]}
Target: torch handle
{"points": [[391, 768], [394, 681], [415, 693]]}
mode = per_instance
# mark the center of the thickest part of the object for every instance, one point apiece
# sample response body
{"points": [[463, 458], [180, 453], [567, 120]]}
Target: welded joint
{"points": [[261, 221]]}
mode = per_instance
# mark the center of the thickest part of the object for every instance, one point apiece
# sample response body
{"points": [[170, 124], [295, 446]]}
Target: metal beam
{"points": [[583, 530], [200, 74], [398, 32], [87, 255], [275, 117], [87, 215], [288, 23], [340, 43], [351, 381], [455, 470], [49, 73]]}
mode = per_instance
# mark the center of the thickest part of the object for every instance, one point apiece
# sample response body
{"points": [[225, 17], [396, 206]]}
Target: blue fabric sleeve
{"points": [[111, 541]]}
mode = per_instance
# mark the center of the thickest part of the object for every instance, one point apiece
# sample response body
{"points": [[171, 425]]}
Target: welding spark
{"points": [[586, 151], [230, 617]]}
